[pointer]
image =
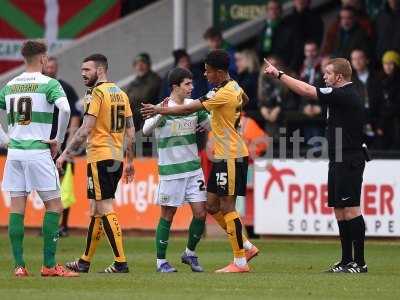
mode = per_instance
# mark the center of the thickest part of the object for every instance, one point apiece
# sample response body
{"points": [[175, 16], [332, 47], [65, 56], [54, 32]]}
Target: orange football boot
{"points": [[233, 268], [57, 271], [21, 272], [253, 252]]}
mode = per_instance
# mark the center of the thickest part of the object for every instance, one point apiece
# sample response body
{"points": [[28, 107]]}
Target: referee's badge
{"points": [[327, 90]]}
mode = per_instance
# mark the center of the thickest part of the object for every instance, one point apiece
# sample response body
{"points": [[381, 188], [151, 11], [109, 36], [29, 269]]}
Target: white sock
{"points": [[160, 262], [240, 261], [190, 252], [247, 245]]}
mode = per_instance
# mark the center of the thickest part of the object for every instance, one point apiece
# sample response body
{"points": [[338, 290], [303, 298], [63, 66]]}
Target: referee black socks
{"points": [[357, 230], [346, 241]]}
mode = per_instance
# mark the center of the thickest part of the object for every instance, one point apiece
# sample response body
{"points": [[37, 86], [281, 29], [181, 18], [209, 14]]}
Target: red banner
{"points": [[59, 22]]}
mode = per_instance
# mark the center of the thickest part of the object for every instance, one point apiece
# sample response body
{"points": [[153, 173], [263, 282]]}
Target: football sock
{"points": [[16, 235], [357, 229], [114, 234], [50, 238], [162, 236], [196, 230], [94, 234], [64, 219], [345, 240], [234, 231], [240, 261], [247, 245], [160, 262], [219, 218], [190, 252]]}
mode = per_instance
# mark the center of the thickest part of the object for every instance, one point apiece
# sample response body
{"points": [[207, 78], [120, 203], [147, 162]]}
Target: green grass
{"points": [[284, 270]]}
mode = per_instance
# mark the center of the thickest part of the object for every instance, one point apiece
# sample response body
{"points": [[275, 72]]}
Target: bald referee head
{"points": [[347, 156]]}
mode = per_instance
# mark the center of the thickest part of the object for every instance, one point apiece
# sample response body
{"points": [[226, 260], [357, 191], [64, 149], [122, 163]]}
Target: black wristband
{"points": [[280, 73]]}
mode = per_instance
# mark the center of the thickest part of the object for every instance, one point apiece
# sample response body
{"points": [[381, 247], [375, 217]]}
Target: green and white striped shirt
{"points": [[29, 101], [178, 155]]}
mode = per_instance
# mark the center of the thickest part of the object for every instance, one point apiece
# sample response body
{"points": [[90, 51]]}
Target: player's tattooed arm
{"points": [[129, 170], [77, 140], [81, 135]]}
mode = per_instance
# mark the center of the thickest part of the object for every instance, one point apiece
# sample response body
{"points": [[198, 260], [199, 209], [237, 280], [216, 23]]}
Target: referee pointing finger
{"points": [[347, 155]]}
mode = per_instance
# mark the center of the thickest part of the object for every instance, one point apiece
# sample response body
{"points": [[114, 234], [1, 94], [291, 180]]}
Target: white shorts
{"points": [[176, 192], [26, 175]]}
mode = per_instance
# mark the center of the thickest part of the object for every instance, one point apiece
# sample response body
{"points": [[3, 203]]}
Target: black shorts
{"points": [[345, 180], [228, 177], [103, 178]]}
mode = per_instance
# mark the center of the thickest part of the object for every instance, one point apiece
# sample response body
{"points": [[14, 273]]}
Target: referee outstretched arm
{"points": [[299, 87], [345, 115]]}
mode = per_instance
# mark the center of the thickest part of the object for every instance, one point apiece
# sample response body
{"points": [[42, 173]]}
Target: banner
{"points": [[291, 197], [134, 203], [229, 13], [57, 21]]}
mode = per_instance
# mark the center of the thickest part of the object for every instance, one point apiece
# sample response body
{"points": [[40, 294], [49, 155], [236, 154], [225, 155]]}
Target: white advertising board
{"points": [[291, 198]]}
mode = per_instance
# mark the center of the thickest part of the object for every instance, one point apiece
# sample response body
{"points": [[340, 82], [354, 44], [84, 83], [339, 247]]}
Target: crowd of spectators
{"points": [[301, 45]]}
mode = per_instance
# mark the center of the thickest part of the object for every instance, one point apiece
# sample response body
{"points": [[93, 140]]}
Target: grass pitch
{"points": [[283, 270]]}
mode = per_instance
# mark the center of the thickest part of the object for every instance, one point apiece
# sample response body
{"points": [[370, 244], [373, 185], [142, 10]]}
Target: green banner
{"points": [[228, 13]]}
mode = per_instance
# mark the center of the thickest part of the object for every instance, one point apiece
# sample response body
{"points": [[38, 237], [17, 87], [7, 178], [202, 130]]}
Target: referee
{"points": [[347, 155]]}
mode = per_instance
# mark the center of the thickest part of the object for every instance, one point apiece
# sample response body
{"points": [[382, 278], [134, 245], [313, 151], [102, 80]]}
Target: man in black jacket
{"points": [[304, 25], [369, 87]]}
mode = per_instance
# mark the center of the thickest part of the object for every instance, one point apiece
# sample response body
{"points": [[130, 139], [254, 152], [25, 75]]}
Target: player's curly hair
{"points": [[218, 59], [177, 75], [32, 48]]}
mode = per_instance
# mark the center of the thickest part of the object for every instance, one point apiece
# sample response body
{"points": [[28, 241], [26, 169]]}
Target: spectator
{"points": [[387, 28], [67, 198], [361, 15], [304, 25], [145, 88], [214, 39], [275, 36], [275, 100], [247, 66], [182, 60], [370, 89], [389, 119], [311, 73], [349, 36]]}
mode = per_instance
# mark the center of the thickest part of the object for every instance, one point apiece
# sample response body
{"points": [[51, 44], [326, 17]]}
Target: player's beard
{"points": [[92, 81]]}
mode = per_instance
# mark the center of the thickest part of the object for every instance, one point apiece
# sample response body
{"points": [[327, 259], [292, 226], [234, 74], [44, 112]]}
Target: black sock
{"points": [[357, 229], [345, 239], [64, 220]]}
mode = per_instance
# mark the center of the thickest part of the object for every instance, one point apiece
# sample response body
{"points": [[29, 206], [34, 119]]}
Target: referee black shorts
{"points": [[103, 178], [345, 180], [228, 177]]}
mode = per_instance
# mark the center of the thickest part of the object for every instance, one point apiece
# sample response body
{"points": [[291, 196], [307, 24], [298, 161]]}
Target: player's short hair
{"points": [[98, 59], [341, 66], [32, 48], [178, 75], [218, 59], [211, 33]]}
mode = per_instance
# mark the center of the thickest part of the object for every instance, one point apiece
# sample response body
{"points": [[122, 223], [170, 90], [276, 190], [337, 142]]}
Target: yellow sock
{"points": [[95, 232], [114, 234], [219, 218], [234, 231]]}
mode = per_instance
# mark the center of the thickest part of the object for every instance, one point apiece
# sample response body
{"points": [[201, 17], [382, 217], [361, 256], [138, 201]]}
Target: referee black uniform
{"points": [[347, 156]]}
